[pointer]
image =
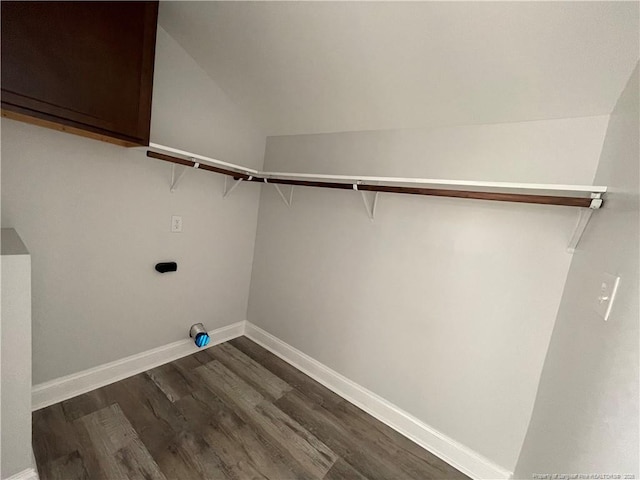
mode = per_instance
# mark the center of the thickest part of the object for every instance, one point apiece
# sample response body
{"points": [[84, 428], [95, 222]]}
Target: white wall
{"points": [[444, 307], [585, 418], [96, 219], [15, 344], [192, 113]]}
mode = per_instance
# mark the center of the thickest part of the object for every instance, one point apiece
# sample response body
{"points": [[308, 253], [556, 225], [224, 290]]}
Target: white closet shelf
{"points": [[362, 182], [587, 197], [200, 158]]}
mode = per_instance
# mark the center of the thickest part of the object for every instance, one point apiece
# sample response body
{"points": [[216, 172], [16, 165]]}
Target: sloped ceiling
{"points": [[312, 67]]}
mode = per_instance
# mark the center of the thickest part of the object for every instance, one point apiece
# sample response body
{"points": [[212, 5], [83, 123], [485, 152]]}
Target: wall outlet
{"points": [[176, 224], [606, 295]]}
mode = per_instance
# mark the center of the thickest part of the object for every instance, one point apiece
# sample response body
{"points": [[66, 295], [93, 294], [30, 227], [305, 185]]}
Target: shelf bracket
{"points": [[227, 189], [177, 173], [583, 221], [287, 201], [370, 207]]}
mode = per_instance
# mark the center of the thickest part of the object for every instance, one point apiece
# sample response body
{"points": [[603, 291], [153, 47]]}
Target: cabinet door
{"points": [[85, 65]]}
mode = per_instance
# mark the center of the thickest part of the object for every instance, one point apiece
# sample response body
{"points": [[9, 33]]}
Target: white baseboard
{"points": [[459, 456], [63, 388], [28, 474]]}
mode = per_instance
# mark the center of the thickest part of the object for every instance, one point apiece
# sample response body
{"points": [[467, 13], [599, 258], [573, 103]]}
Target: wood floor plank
{"points": [[203, 356], [170, 381], [411, 456], [365, 457], [119, 450], [232, 454], [184, 453], [109, 429], [137, 463], [82, 405], [175, 463], [69, 467], [206, 412], [89, 455], [228, 386], [305, 447], [195, 458], [266, 458], [291, 437], [150, 412], [341, 470], [53, 436], [291, 375], [187, 367], [269, 385]]}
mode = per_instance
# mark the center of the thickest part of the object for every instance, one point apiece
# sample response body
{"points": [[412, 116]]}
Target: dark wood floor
{"points": [[234, 411]]}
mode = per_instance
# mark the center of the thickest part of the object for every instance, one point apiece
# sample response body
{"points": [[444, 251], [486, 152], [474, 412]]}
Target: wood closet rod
{"points": [[201, 166], [439, 192]]}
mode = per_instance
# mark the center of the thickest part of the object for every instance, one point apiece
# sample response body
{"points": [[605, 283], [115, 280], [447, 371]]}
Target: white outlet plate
{"points": [[176, 224], [606, 295]]}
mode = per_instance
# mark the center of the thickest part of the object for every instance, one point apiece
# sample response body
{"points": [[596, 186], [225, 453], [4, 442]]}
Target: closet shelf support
{"points": [[227, 189], [370, 207], [287, 201], [177, 173], [583, 220]]}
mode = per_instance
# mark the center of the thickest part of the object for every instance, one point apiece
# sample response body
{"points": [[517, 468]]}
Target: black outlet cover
{"points": [[166, 267]]}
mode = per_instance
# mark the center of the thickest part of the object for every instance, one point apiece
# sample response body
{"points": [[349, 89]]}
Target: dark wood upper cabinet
{"points": [[83, 67]]}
